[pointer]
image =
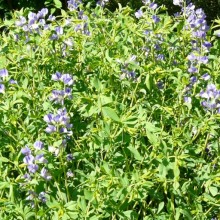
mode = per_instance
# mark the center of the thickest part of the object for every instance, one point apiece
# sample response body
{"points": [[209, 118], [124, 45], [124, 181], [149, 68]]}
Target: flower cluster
{"points": [[59, 122], [73, 4], [212, 98], [35, 21], [58, 96], [126, 70], [156, 51], [3, 76], [33, 161], [152, 6], [34, 196], [197, 26], [102, 2], [196, 23]]}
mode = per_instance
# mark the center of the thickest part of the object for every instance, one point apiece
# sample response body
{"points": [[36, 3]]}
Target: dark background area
{"points": [[211, 7]]}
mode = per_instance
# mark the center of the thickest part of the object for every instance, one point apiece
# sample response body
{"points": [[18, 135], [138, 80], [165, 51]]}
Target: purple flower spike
{"points": [[139, 14], [26, 150], [44, 173], [38, 145], [3, 73]]}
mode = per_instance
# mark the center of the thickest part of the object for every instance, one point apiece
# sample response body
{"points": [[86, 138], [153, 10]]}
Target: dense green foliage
{"points": [[109, 115]]}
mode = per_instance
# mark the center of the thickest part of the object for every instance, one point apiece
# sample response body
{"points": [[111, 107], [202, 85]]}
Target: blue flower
{"points": [[2, 88], [44, 173], [59, 30], [33, 168], [38, 145], [3, 73], [26, 151], [67, 79], [139, 14], [155, 18]]}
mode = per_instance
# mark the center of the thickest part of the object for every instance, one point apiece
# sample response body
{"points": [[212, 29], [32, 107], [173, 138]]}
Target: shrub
{"points": [[109, 115]]}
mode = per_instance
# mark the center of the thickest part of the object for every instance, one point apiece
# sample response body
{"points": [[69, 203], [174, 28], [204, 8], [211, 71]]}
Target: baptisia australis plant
{"points": [[111, 117]]}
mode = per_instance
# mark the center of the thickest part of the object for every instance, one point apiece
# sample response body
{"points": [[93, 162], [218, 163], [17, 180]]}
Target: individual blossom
{"points": [[50, 129], [51, 18], [42, 197], [29, 159], [139, 14], [155, 18], [33, 168], [56, 76], [44, 173], [58, 96], [26, 151], [38, 145], [69, 174], [146, 2], [54, 37], [42, 13], [67, 79], [178, 2], [4, 73], [206, 76], [153, 6], [41, 159], [59, 30], [187, 99], [102, 3], [21, 22], [27, 176], [2, 88], [69, 157]]}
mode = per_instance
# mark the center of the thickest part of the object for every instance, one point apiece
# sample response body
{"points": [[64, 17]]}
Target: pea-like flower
{"points": [[44, 173]]}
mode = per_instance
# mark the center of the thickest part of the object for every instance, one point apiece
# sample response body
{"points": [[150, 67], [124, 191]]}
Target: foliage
{"points": [[109, 115]]}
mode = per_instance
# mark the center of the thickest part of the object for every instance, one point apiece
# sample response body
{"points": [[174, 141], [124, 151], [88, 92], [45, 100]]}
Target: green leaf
{"points": [[57, 3], [4, 159], [135, 152], [109, 112], [4, 185], [213, 190], [160, 207]]}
